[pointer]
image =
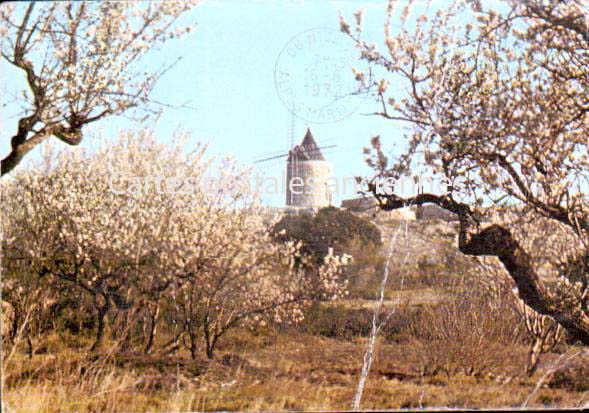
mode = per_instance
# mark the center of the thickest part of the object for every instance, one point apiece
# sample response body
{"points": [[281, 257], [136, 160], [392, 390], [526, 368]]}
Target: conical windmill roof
{"points": [[308, 150]]}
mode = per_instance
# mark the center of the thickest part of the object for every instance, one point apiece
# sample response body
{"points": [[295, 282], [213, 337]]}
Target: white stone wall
{"points": [[307, 184]]}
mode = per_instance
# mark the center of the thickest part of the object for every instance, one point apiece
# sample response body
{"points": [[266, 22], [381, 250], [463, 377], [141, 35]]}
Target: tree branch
{"points": [[498, 241]]}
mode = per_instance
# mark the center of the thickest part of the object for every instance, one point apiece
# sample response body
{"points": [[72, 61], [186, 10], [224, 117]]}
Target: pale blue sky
{"points": [[227, 75]]}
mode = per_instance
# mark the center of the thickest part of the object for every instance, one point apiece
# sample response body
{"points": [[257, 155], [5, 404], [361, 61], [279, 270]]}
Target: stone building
{"points": [[307, 176]]}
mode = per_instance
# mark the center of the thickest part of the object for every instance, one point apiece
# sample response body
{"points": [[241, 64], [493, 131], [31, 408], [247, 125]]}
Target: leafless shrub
{"points": [[466, 332], [544, 332]]}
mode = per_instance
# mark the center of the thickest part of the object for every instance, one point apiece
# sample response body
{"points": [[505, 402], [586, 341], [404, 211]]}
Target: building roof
{"points": [[308, 150]]}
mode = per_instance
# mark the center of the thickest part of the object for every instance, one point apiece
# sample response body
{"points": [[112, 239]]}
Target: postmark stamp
{"points": [[313, 76]]}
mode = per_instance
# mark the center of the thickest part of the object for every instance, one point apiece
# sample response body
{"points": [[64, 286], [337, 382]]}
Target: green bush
{"points": [[330, 227]]}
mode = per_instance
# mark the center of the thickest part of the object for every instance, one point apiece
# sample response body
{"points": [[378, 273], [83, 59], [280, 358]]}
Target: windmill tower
{"points": [[307, 175]]}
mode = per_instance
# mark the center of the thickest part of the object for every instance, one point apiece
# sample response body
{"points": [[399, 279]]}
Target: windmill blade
{"points": [[318, 149], [281, 152], [270, 154], [329, 151], [323, 142], [272, 157], [275, 163], [286, 154]]}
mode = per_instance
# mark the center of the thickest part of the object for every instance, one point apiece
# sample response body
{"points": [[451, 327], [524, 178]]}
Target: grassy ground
{"points": [[270, 371]]}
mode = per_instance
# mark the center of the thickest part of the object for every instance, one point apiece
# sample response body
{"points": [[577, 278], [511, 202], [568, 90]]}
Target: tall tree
{"points": [[498, 104], [80, 63]]}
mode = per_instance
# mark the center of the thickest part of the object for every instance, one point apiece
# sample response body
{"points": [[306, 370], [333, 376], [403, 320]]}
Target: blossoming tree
{"points": [[497, 103], [80, 63], [138, 223]]}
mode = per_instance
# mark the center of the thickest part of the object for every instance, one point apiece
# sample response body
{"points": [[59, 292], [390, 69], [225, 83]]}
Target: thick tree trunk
{"points": [[193, 345], [209, 347], [154, 317], [210, 351], [102, 311], [30, 350], [499, 242], [20, 147]]}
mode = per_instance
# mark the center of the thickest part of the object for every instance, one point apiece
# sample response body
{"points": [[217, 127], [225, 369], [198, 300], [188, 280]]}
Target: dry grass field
{"points": [[274, 371]]}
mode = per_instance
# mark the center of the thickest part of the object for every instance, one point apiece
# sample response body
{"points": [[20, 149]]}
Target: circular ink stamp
{"points": [[313, 76]]}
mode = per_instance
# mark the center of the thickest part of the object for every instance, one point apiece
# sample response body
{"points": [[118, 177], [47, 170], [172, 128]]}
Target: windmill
{"points": [[307, 172]]}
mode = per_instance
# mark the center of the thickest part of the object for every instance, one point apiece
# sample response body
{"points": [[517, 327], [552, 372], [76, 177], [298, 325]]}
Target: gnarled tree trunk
{"points": [[498, 241], [102, 312]]}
